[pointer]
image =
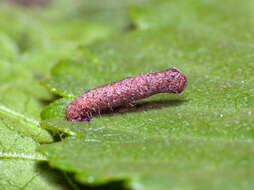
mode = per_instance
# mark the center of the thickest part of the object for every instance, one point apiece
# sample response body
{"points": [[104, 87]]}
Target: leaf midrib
{"points": [[7, 111]]}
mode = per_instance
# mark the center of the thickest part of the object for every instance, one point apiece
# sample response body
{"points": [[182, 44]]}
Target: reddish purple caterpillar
{"points": [[123, 92]]}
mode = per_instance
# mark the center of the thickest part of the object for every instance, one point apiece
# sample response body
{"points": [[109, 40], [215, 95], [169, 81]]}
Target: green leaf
{"points": [[201, 139], [31, 41], [43, 36], [8, 48], [20, 133], [18, 162]]}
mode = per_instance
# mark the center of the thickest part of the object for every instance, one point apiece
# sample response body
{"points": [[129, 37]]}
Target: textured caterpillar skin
{"points": [[123, 92]]}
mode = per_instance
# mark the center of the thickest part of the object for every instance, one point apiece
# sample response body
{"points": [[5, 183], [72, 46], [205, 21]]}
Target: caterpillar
{"points": [[125, 91]]}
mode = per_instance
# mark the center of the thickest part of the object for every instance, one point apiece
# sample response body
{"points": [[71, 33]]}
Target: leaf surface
{"points": [[31, 41], [201, 139]]}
